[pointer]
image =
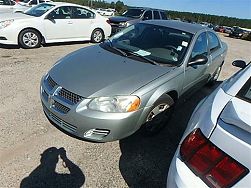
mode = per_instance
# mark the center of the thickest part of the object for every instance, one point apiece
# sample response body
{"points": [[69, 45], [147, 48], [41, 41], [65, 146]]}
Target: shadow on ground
{"points": [[45, 174], [144, 161]]}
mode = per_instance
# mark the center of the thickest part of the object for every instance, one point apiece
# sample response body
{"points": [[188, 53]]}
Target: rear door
{"points": [[84, 20], [215, 51]]}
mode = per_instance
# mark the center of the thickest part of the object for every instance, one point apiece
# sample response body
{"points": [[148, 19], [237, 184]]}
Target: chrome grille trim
{"points": [[61, 108], [51, 82], [70, 97], [59, 121]]}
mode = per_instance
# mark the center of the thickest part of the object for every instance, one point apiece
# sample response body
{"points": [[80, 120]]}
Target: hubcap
{"points": [[157, 110], [217, 74], [30, 39], [97, 36]]}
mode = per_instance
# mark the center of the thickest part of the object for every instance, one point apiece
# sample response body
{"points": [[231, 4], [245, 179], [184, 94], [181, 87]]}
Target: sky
{"points": [[230, 8]]}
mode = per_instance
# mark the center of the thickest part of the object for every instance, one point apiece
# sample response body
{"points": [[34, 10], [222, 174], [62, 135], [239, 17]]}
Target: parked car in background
{"points": [[135, 15], [107, 92], [24, 5], [6, 6], [237, 32], [53, 22], [105, 12], [228, 30], [215, 148]]}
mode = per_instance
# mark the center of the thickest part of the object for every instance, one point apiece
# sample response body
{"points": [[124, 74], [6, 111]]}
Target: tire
{"points": [[97, 36], [158, 116], [29, 38], [215, 76]]}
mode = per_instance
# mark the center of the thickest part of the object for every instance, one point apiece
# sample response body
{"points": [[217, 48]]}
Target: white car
{"points": [[215, 150], [6, 6], [26, 4], [53, 22], [105, 12]]}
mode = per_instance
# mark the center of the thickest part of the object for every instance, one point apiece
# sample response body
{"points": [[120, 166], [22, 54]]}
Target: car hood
{"points": [[94, 71], [237, 112], [15, 16], [118, 19]]}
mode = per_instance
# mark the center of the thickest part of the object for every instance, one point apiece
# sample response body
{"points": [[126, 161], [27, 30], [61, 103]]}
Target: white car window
{"points": [[64, 12], [81, 13]]}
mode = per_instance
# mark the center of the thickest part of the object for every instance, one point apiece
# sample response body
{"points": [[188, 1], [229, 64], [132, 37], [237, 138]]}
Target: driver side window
{"points": [[61, 13], [200, 46]]}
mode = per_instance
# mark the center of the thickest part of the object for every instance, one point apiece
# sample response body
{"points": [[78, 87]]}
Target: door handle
{"points": [[69, 22]]}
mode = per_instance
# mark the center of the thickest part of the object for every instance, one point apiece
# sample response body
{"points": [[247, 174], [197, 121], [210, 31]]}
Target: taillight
{"points": [[212, 165]]}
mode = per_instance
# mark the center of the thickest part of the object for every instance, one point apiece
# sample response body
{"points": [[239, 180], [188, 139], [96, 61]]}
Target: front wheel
{"points": [[158, 118], [97, 36], [29, 38]]}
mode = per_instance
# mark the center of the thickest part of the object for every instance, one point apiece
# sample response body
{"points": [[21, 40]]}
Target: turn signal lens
{"points": [[211, 164]]}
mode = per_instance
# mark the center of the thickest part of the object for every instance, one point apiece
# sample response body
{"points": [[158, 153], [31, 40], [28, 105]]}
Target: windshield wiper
{"points": [[117, 49], [143, 57]]}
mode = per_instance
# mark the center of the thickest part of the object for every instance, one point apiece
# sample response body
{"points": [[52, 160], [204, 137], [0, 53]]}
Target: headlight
{"points": [[116, 104], [5, 23], [124, 24]]}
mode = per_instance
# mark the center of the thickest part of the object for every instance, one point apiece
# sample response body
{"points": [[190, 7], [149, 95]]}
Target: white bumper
{"points": [[10, 36]]}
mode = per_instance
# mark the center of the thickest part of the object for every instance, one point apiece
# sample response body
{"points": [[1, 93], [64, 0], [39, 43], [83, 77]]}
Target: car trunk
{"points": [[233, 134]]}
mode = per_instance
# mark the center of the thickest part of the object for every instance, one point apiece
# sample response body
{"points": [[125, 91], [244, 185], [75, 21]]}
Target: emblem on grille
{"points": [[51, 101]]}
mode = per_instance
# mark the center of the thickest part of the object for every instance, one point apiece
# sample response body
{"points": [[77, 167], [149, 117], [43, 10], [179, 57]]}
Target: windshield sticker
{"points": [[184, 43], [143, 53], [179, 48]]}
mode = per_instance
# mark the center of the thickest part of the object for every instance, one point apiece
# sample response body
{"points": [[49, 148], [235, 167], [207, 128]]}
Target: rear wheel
{"points": [[29, 38], [215, 76], [158, 117], [97, 36]]}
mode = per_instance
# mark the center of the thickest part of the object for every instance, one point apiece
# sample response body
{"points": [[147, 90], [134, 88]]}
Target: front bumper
{"points": [[8, 36], [80, 122]]}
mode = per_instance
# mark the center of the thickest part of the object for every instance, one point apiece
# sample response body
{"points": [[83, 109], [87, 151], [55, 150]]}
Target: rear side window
{"points": [[156, 15], [148, 15], [213, 40], [163, 15], [81, 13], [200, 46], [245, 92]]}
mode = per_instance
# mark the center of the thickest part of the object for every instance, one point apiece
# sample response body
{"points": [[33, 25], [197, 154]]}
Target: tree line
{"points": [[188, 16]]}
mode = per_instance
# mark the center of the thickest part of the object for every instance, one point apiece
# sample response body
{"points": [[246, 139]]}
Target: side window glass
{"points": [[5, 2], [213, 40], [33, 2], [61, 13], [200, 46], [148, 15], [156, 15], [163, 15], [81, 13]]}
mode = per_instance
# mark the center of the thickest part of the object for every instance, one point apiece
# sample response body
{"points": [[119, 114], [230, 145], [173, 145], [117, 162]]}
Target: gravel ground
{"points": [[29, 144]]}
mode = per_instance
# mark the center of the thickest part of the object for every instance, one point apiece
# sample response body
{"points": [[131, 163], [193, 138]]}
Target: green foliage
{"points": [[195, 17], [217, 20]]}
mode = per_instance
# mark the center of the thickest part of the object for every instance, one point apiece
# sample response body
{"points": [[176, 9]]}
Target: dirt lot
{"points": [[136, 161]]}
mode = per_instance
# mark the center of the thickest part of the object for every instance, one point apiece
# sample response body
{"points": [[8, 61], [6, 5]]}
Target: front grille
{"points": [[51, 82], [70, 97], [59, 121], [61, 108]]}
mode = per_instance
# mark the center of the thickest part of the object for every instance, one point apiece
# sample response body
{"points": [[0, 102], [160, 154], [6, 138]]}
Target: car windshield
{"points": [[39, 10], [160, 44], [133, 13]]}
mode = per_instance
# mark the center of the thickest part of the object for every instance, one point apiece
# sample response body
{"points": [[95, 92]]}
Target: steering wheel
{"points": [[173, 49]]}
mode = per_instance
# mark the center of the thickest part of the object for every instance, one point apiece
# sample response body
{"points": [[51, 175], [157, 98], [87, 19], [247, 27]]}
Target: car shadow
{"points": [[144, 161], [66, 43], [9, 46], [45, 174]]}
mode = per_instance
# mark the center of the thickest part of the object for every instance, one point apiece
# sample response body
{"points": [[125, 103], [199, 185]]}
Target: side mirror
{"points": [[49, 17], [198, 60], [239, 63]]}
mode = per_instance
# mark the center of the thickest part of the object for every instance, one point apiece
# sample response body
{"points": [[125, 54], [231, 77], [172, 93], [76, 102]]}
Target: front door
{"points": [[196, 74]]}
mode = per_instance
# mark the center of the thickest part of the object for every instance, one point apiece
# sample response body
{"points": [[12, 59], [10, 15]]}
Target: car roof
{"points": [[183, 26], [145, 8], [63, 3]]}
